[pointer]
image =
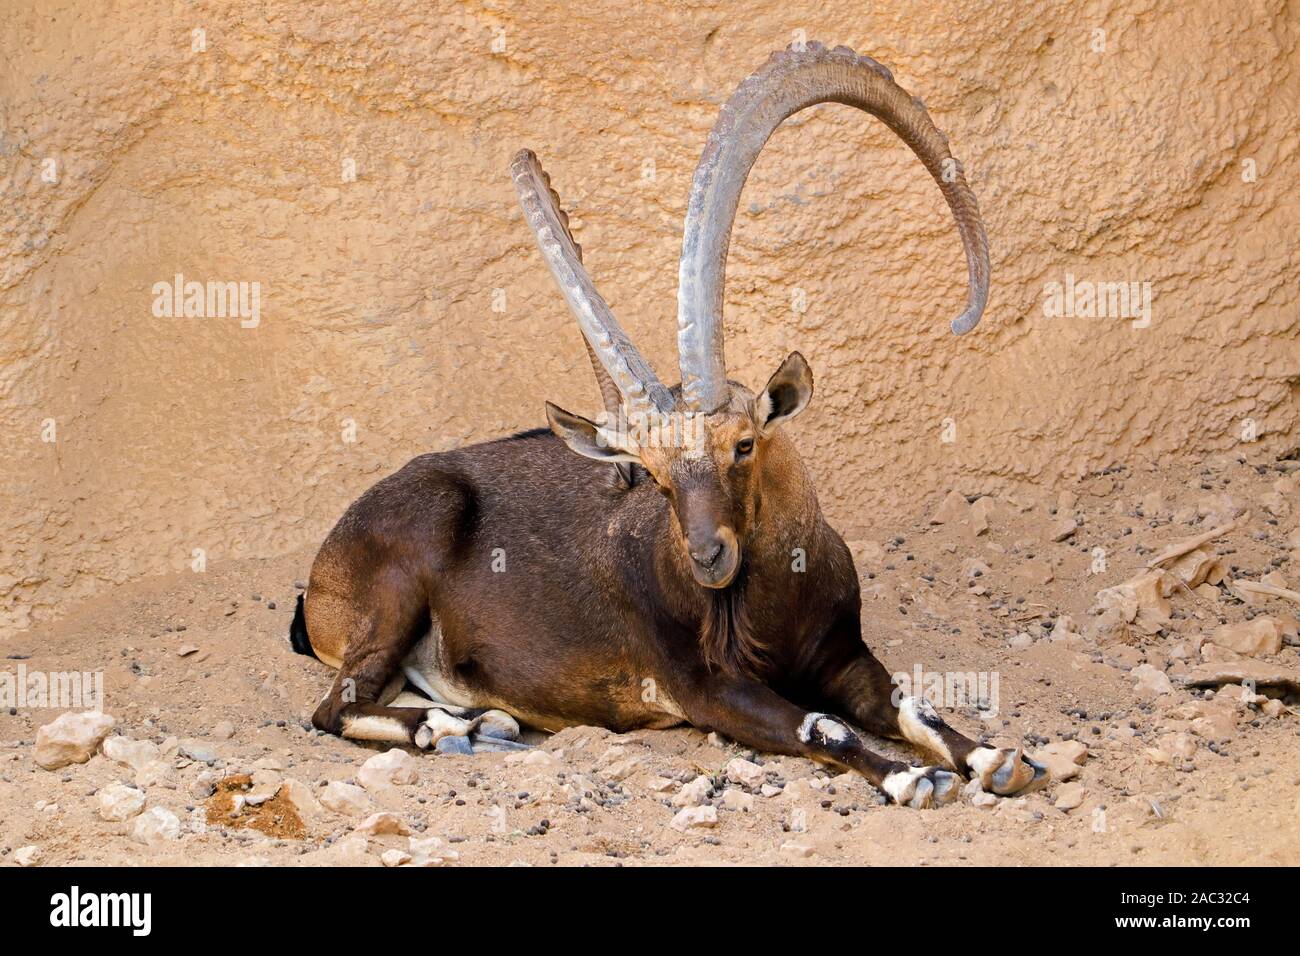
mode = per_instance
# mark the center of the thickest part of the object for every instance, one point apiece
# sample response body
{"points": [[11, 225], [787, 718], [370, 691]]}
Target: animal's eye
{"points": [[744, 447]]}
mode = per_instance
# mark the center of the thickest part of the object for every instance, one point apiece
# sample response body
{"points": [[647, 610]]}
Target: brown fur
{"points": [[566, 596]]}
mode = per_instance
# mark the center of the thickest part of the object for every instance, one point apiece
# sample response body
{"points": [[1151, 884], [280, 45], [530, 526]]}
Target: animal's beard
{"points": [[726, 633]]}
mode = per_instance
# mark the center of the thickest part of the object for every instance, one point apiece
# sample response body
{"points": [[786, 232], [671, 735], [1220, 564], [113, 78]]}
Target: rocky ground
{"points": [[1120, 662]]}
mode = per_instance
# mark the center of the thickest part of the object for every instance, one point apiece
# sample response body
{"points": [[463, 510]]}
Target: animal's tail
{"points": [[298, 631]]}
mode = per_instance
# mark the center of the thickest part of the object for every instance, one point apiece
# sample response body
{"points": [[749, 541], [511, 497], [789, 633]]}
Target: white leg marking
{"points": [[438, 724], [831, 728], [408, 699], [387, 729], [915, 715], [984, 760], [898, 785], [921, 787]]}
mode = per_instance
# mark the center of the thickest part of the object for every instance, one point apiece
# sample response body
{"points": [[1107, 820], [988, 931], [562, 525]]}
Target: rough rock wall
{"points": [[407, 307]]}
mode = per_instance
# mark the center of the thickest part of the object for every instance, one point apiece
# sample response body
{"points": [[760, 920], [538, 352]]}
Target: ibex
{"points": [[694, 581]]}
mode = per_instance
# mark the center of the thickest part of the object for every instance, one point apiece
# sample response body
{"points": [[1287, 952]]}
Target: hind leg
{"points": [[359, 704], [354, 707]]}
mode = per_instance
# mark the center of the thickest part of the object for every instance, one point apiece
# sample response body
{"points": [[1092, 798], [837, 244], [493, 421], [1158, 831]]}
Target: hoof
{"points": [[439, 724], [1007, 771], [922, 788], [498, 724], [454, 745]]}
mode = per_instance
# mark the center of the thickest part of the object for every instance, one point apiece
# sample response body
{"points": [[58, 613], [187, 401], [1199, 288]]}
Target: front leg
{"points": [[755, 715], [859, 686]]}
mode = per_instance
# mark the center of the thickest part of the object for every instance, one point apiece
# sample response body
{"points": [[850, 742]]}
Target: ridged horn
{"points": [[792, 80], [641, 390]]}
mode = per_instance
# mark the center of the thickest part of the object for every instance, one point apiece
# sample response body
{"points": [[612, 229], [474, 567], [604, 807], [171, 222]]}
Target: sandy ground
{"points": [[1179, 777]]}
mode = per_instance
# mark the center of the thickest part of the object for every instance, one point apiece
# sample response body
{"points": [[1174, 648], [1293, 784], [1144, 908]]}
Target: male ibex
{"points": [[676, 571]]}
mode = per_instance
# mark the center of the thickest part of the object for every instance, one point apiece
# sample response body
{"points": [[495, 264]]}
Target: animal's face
{"points": [[709, 467]]}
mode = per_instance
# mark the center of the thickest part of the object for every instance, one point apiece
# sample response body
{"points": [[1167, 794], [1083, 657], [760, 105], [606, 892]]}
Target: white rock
{"points": [[1260, 636], [300, 796], [745, 772], [1065, 630], [953, 508], [71, 738], [197, 751], [1064, 758], [131, 753], [392, 768], [224, 730], [202, 787], [345, 799], [28, 855], [155, 773], [738, 800], [1151, 681], [395, 857], [265, 785], [429, 851], [156, 825], [798, 849], [1064, 529], [689, 817], [383, 824], [694, 793], [981, 514], [1142, 601], [1198, 567], [1069, 796], [118, 802]]}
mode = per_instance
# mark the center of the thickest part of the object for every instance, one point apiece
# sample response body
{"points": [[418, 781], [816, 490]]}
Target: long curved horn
{"points": [[609, 394], [789, 82], [630, 373]]}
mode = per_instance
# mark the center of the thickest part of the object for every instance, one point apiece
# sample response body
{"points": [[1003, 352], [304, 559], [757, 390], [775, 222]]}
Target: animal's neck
{"points": [[786, 529]]}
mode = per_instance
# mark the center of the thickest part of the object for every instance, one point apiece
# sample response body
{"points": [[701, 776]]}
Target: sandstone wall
{"points": [[412, 303]]}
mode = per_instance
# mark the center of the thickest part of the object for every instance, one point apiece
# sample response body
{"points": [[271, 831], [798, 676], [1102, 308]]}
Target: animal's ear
{"points": [[786, 394], [589, 439]]}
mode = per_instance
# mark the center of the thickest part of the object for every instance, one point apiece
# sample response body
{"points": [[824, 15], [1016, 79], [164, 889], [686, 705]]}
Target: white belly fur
{"points": [[424, 668]]}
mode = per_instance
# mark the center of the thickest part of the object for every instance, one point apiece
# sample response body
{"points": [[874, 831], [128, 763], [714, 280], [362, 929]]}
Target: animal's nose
{"points": [[707, 554]]}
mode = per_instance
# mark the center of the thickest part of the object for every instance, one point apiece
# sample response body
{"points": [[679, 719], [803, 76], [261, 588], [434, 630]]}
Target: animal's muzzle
{"points": [[715, 558]]}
